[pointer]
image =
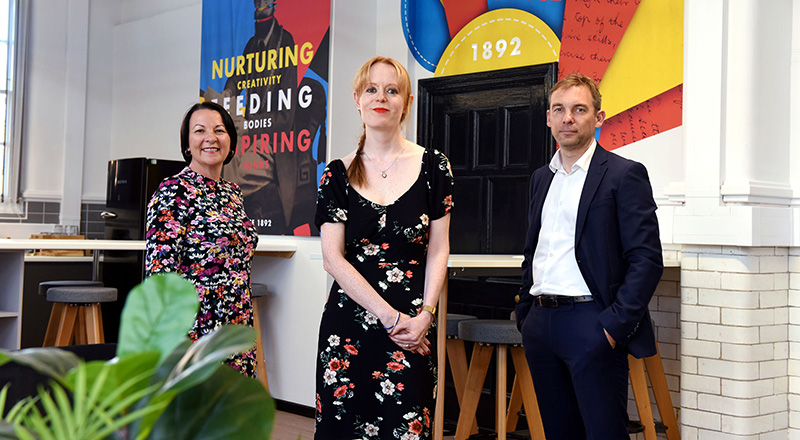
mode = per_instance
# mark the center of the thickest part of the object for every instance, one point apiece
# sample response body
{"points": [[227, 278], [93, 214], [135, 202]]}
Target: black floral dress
{"points": [[367, 387], [197, 228]]}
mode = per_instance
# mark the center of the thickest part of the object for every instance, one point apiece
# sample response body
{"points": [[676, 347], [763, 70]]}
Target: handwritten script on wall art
{"points": [[654, 116], [591, 34]]}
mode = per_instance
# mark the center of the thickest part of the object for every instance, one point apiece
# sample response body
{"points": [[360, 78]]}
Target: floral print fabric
{"points": [[367, 386], [197, 228]]}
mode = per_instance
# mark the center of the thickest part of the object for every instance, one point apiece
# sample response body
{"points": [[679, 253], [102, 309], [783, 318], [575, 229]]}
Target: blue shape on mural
{"points": [[425, 29], [550, 12]]}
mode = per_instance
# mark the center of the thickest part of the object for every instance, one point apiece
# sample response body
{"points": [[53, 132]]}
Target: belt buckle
{"points": [[547, 301]]}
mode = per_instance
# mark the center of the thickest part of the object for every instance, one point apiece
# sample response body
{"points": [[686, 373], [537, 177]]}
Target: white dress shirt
{"points": [[555, 269]]}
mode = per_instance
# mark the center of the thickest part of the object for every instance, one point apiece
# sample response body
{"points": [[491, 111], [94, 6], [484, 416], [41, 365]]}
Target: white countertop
{"points": [[264, 245]]}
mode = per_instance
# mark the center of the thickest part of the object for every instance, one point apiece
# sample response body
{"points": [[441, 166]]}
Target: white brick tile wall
{"points": [[777, 264], [740, 342], [689, 295], [747, 425], [773, 369], [748, 389], [748, 353], [747, 282], [701, 419], [773, 298], [721, 333], [698, 348], [700, 279], [744, 317], [701, 384], [728, 405], [773, 404], [774, 333], [688, 330], [726, 298], [729, 263], [728, 369], [709, 315]]}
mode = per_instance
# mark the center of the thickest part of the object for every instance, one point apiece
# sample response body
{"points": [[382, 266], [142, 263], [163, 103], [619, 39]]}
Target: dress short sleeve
{"points": [[332, 195], [440, 183]]}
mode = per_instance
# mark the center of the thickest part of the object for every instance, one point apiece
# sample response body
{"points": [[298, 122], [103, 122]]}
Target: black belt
{"points": [[560, 300]]}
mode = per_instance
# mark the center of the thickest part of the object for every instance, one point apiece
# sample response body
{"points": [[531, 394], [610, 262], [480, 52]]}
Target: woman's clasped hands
{"points": [[409, 333]]}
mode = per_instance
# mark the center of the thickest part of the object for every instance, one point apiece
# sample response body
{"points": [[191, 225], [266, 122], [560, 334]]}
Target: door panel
{"points": [[492, 127]]}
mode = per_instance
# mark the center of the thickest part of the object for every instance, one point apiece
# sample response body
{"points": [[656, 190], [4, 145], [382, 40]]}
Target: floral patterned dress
{"points": [[197, 227], [367, 387]]}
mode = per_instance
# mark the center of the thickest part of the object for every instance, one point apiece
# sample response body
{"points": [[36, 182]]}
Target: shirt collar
{"points": [[582, 163]]}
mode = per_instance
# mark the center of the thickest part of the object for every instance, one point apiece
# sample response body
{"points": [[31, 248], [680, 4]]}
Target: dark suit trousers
{"points": [[581, 382]]}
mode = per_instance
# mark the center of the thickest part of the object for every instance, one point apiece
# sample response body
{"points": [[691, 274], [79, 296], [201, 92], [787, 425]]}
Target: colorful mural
{"points": [[633, 48]]}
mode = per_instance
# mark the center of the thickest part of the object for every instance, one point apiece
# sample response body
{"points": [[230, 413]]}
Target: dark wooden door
{"points": [[492, 126]]}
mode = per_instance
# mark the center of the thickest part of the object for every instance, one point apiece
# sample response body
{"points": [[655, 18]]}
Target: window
{"points": [[12, 55]]}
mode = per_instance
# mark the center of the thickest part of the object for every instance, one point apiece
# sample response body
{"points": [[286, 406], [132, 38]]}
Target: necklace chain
{"points": [[383, 172]]}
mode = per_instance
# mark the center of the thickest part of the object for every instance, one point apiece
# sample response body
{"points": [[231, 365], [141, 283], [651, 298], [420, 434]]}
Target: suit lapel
{"points": [[542, 186], [597, 169]]}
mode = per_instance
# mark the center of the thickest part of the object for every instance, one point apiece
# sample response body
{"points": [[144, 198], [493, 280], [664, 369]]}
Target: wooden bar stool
{"points": [[79, 304], [57, 309], [457, 358], [658, 381], [259, 290], [503, 334]]}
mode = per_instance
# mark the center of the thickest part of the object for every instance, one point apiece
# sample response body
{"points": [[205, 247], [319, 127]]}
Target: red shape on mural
{"points": [[657, 114], [302, 231], [461, 12], [591, 35]]}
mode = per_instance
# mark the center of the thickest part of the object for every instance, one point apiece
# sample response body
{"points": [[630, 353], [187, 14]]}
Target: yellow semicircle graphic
{"points": [[499, 39]]}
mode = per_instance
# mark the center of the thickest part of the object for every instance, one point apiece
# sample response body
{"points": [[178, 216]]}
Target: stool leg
{"points": [[478, 366], [261, 367], [514, 406], [502, 378], [655, 370], [66, 325], [532, 414], [52, 324], [639, 385], [457, 357], [80, 327], [93, 323]]}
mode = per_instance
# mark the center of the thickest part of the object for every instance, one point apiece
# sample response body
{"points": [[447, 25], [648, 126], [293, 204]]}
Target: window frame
{"points": [[11, 205]]}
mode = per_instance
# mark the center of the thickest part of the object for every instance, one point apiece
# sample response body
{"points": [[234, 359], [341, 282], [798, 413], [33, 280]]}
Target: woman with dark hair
{"points": [[382, 213], [197, 227]]}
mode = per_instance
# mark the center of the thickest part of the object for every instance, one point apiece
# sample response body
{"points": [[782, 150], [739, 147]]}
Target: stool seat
{"points": [[45, 285], [490, 331], [82, 294], [77, 314], [500, 335], [257, 290], [452, 322]]}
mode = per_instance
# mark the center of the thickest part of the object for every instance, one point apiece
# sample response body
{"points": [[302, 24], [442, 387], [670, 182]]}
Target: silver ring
{"points": [[408, 345]]}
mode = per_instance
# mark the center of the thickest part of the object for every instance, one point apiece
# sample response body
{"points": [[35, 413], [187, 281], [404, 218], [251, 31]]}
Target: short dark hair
{"points": [[227, 120]]}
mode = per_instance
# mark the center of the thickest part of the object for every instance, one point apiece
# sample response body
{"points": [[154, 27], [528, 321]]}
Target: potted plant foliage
{"points": [[159, 386]]}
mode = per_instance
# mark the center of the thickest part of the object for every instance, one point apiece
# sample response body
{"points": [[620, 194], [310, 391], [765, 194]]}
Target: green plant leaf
{"points": [[227, 405], [157, 315], [207, 354], [49, 361], [119, 371]]}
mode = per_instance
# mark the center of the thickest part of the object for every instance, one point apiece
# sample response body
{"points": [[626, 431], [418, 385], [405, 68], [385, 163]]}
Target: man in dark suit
{"points": [[592, 262]]}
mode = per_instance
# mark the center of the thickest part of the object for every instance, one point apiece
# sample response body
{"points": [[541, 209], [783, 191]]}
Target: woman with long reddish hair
{"points": [[382, 213]]}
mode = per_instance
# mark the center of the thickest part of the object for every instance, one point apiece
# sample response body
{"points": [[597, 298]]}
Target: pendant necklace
{"points": [[383, 172]]}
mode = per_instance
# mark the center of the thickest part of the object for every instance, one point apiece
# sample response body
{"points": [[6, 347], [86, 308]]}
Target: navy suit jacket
{"points": [[617, 246]]}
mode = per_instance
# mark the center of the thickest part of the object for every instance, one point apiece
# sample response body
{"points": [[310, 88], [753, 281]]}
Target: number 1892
{"points": [[497, 49]]}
